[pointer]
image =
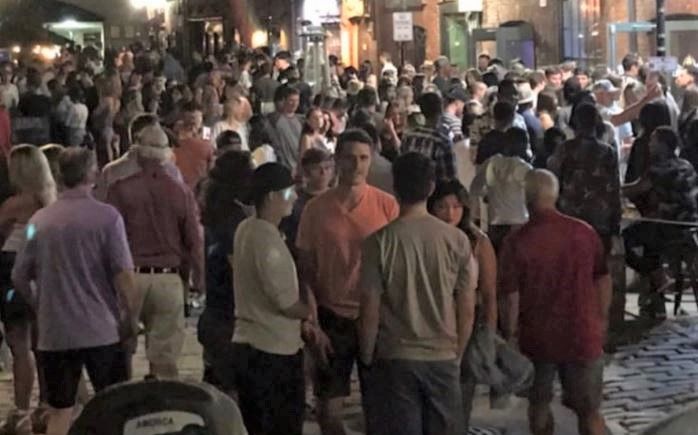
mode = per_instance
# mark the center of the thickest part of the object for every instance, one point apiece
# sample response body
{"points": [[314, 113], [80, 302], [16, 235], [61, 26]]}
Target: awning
{"points": [[54, 11]]}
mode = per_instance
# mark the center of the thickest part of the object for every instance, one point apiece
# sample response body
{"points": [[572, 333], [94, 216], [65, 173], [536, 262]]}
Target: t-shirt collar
{"points": [[82, 191]]}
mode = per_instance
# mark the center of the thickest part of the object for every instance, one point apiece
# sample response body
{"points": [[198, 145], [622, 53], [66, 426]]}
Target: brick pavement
{"points": [[644, 382], [654, 378]]}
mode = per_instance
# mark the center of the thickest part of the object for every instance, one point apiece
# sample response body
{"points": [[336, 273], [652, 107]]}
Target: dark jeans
{"points": [[271, 391], [106, 365], [215, 333], [415, 397]]}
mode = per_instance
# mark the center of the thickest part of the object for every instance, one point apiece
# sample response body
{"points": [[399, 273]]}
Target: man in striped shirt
{"points": [[431, 140], [452, 118]]}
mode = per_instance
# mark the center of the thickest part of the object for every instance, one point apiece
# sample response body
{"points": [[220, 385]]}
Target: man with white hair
{"points": [[161, 218], [557, 298], [127, 165]]}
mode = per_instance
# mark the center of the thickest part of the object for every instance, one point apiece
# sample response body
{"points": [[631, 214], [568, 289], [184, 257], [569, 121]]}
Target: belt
{"points": [[157, 270]]}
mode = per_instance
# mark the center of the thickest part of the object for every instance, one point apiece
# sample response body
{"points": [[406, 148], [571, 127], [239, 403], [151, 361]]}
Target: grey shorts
{"points": [[582, 384]]}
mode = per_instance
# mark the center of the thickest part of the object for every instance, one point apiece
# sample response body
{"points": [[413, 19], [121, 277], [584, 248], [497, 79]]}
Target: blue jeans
{"points": [[413, 398]]}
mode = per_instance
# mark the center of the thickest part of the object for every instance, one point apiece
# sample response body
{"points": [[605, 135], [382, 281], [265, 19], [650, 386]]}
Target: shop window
{"points": [[581, 31]]}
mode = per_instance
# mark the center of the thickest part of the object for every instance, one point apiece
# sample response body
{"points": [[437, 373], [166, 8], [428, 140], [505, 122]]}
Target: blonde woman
{"points": [[34, 187], [237, 112]]}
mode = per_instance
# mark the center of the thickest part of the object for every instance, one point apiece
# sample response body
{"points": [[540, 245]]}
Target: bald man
{"points": [[557, 291]]}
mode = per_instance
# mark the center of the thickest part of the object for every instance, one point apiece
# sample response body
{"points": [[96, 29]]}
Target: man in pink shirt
{"points": [[162, 222], [332, 229]]}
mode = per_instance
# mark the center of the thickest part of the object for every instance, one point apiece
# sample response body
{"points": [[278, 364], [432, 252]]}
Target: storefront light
{"points": [[259, 38], [16, 49], [150, 4]]}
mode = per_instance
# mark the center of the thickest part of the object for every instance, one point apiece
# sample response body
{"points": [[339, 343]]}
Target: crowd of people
{"points": [[371, 223]]}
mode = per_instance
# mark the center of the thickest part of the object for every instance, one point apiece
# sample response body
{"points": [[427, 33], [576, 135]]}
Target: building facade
{"points": [[122, 22]]}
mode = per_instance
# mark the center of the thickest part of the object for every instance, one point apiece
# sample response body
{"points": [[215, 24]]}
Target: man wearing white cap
{"points": [[607, 96], [162, 223], [526, 108]]}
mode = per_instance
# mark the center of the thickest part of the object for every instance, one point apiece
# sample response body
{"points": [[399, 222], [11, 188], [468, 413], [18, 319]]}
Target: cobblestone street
{"points": [[644, 382]]}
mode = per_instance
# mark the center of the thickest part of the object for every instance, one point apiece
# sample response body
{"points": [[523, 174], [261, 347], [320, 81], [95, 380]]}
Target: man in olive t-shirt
{"points": [[416, 316]]}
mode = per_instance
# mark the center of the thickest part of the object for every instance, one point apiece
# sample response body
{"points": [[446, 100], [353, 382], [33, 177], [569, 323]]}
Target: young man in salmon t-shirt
{"points": [[330, 236]]}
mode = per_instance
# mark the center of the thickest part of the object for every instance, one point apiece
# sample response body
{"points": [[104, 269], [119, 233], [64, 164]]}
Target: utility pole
{"points": [[661, 28], [402, 43]]}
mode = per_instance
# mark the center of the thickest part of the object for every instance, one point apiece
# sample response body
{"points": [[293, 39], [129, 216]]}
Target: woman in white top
{"points": [[237, 112], [30, 176]]}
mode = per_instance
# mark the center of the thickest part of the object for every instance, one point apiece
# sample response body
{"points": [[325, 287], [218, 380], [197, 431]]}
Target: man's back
{"points": [[560, 307], [77, 245], [194, 156], [589, 182], [420, 262], [434, 144], [160, 215], [501, 179], [674, 188], [287, 136], [491, 144]]}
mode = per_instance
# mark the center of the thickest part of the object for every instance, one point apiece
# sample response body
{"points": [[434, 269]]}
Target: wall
{"points": [[249, 16], [426, 16], [645, 11], [545, 21]]}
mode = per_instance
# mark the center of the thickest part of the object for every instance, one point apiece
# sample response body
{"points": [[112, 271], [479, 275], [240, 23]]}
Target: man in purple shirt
{"points": [[85, 300], [162, 223]]}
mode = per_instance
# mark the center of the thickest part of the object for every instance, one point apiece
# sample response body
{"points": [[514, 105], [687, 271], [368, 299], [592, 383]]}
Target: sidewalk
{"points": [[644, 382]]}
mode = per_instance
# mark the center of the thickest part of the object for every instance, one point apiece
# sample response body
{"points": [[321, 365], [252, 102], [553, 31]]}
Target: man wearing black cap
{"points": [[452, 118], [268, 310]]}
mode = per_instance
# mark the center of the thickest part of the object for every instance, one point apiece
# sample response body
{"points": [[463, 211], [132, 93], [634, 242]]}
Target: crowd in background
{"points": [[379, 220]]}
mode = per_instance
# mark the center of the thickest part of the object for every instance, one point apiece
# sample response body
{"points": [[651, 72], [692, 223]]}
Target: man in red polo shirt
{"points": [[557, 292]]}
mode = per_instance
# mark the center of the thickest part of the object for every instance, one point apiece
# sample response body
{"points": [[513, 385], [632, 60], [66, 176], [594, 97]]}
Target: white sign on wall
{"points": [[666, 64], [402, 27], [469, 5]]}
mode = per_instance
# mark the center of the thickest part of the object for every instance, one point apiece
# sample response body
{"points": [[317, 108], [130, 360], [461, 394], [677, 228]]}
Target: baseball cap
{"points": [[229, 138], [160, 408], [270, 177], [457, 94], [604, 85], [153, 136]]}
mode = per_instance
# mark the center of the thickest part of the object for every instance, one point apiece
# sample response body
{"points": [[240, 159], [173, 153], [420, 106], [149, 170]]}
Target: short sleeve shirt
{"points": [[333, 236], [265, 283], [589, 183], [559, 304], [75, 247], [418, 264]]}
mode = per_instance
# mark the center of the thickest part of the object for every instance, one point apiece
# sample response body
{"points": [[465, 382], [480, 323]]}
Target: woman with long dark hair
{"points": [[223, 210], [450, 202], [315, 130]]}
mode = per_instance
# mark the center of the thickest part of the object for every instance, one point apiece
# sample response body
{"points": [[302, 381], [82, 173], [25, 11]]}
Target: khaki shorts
{"points": [[163, 316], [582, 384]]}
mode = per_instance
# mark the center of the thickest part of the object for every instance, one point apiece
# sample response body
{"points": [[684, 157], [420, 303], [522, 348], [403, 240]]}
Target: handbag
{"points": [[491, 360]]}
